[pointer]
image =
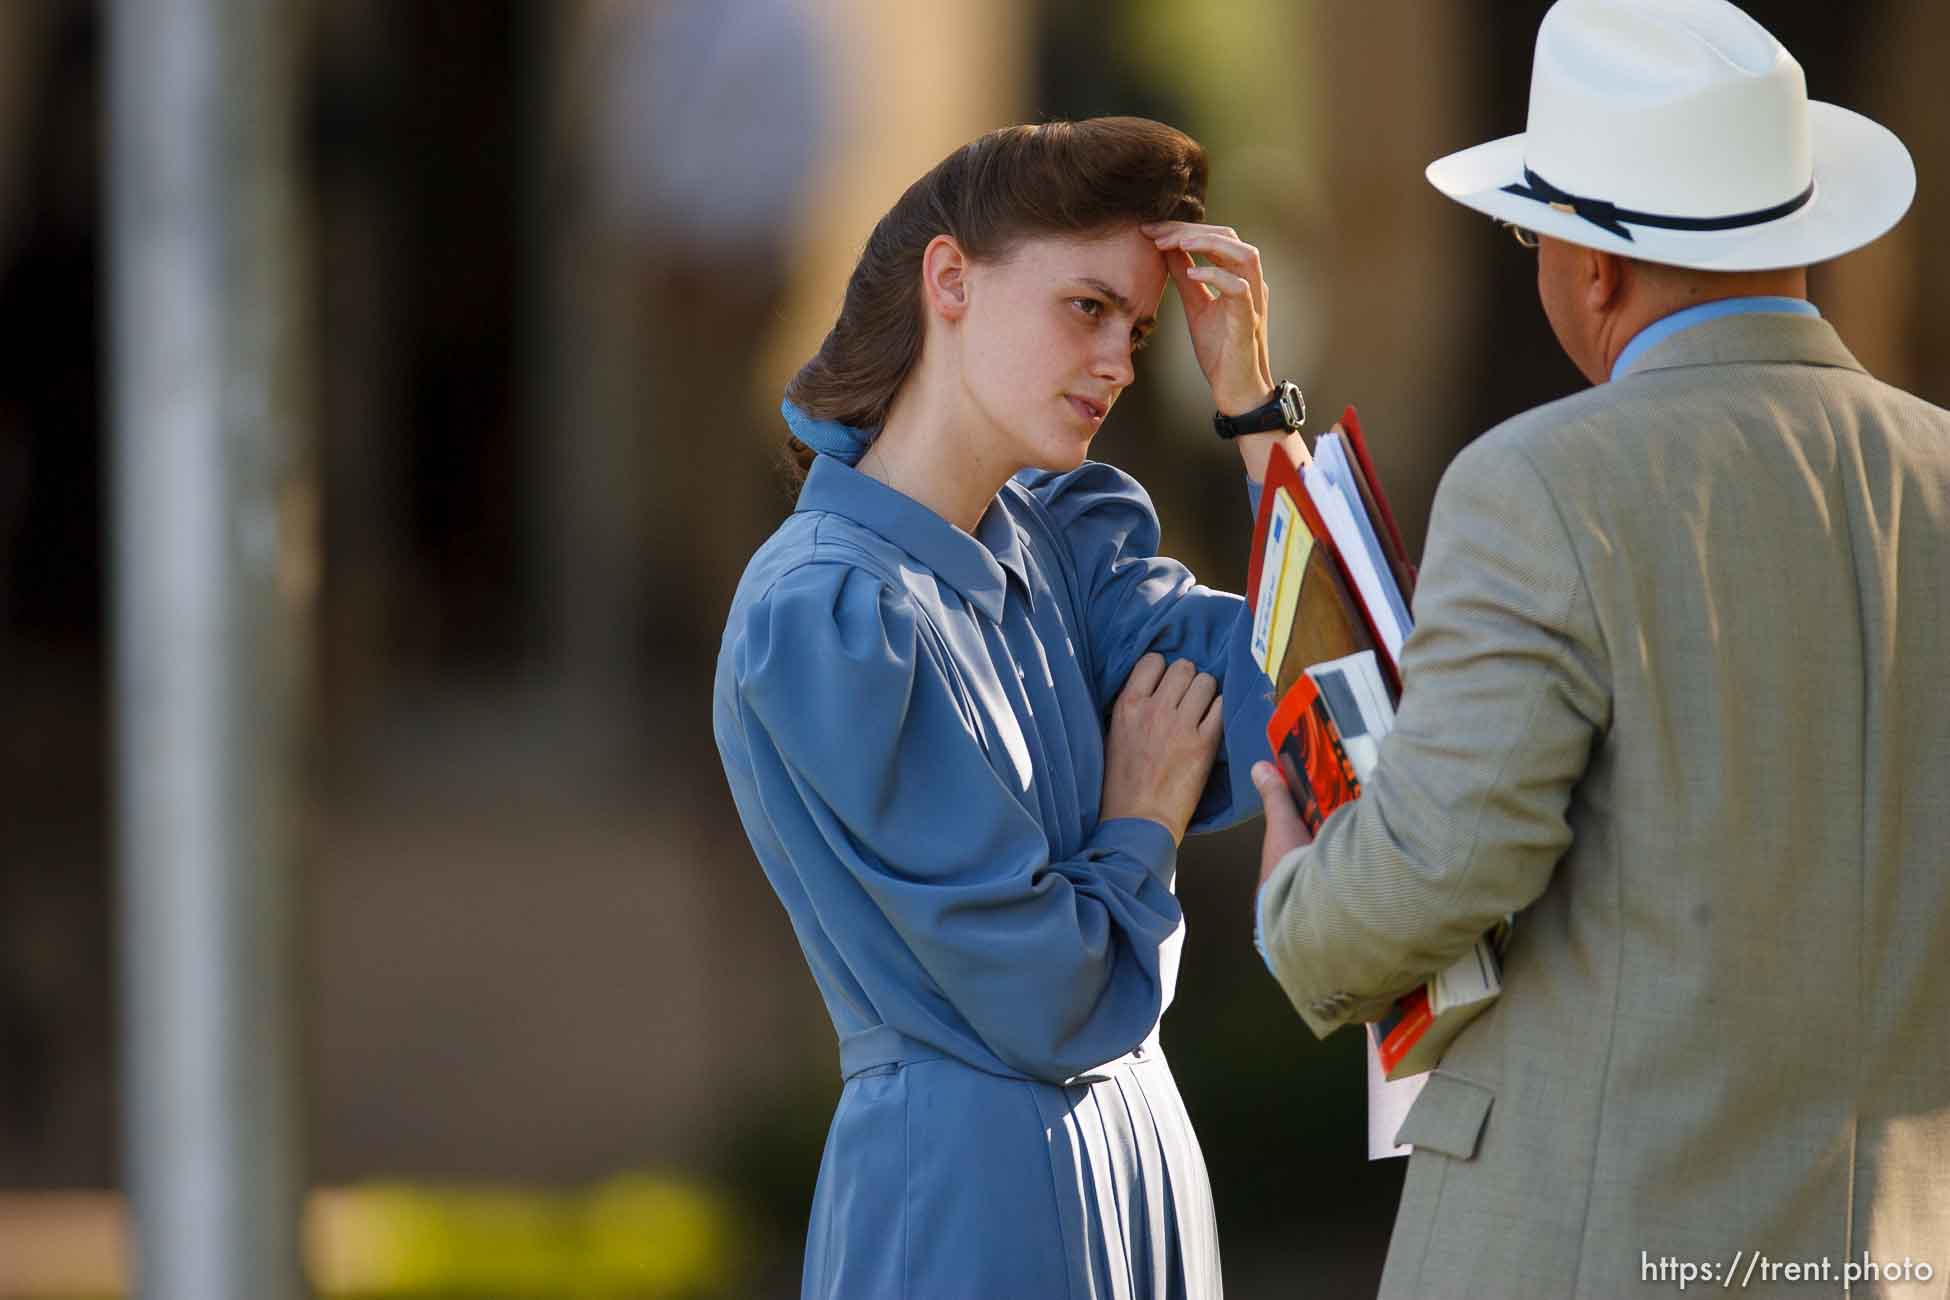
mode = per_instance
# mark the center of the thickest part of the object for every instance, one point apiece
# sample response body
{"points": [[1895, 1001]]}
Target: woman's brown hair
{"points": [[1059, 178]]}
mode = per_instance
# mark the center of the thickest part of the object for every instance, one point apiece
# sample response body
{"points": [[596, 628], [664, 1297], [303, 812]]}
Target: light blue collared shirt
{"points": [[1666, 326]]}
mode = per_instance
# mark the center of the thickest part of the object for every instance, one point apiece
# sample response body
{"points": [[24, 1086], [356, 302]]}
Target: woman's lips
{"points": [[1087, 409]]}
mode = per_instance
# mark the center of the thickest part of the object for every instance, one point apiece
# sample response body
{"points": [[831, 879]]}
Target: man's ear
{"points": [[944, 277], [1604, 280]]}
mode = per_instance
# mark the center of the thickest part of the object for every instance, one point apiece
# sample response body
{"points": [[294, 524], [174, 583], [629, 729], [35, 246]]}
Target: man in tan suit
{"points": [[1677, 698]]}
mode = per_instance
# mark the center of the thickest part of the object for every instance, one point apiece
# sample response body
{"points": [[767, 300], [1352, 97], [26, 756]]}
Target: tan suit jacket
{"points": [[1678, 695]]}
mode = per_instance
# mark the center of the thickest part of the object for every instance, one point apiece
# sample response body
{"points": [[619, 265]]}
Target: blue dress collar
{"points": [[977, 566], [1665, 327]]}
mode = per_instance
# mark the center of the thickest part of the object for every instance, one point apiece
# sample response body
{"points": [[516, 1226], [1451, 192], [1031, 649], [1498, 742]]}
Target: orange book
{"points": [[1399, 1030], [1307, 747]]}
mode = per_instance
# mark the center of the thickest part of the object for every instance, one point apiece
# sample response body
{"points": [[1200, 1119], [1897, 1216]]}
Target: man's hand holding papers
{"points": [[1330, 586]]}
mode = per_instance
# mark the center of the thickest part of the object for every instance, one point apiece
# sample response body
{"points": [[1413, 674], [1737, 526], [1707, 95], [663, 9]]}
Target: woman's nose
{"points": [[1114, 364]]}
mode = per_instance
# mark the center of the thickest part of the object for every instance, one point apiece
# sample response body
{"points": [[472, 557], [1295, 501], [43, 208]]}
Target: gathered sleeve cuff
{"points": [[1055, 964], [1140, 840]]}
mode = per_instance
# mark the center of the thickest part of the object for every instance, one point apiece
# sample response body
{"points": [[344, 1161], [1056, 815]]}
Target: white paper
{"points": [[1361, 674], [1356, 700], [1330, 459], [1388, 1104], [1473, 978], [1372, 584]]}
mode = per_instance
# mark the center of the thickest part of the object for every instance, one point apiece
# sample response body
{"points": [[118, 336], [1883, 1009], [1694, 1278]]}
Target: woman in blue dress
{"points": [[967, 713]]}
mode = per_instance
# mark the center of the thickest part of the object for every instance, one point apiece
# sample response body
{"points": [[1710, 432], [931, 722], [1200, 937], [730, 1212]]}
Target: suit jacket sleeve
{"points": [[1464, 817]]}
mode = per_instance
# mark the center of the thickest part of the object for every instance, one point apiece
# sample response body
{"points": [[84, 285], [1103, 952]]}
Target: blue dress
{"points": [[912, 723]]}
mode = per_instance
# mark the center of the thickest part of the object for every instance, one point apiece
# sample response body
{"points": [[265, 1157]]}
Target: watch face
{"points": [[1292, 405]]}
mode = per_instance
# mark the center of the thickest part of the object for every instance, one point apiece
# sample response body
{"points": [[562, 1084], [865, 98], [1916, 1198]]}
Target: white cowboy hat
{"points": [[1680, 131]]}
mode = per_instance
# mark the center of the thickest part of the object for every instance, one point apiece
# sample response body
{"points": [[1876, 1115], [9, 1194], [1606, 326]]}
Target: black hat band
{"points": [[1610, 217]]}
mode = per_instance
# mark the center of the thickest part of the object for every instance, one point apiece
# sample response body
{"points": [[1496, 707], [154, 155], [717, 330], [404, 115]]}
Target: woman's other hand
{"points": [[1164, 734]]}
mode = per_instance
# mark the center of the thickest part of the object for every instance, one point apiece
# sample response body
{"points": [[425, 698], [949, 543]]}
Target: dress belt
{"points": [[883, 1047]]}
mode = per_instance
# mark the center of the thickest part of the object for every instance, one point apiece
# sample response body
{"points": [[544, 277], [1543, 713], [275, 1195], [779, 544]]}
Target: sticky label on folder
{"points": [[1279, 543]]}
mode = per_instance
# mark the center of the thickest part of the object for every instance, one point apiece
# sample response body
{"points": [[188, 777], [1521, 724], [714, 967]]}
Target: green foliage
{"points": [[634, 1237]]}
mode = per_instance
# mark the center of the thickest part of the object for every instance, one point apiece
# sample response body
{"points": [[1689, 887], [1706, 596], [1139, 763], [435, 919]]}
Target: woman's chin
{"points": [[1064, 456]]}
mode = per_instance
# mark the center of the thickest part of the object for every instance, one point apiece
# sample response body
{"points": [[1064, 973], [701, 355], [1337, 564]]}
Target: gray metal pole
{"points": [[214, 568]]}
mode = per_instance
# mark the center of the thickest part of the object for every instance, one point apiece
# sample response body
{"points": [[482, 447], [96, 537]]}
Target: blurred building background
{"points": [[564, 255]]}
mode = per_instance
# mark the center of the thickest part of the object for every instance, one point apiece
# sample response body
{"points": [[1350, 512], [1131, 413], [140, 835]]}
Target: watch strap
{"points": [[1285, 409]]}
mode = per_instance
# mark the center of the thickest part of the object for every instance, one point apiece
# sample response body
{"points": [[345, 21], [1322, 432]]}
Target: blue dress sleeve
{"points": [[1054, 964], [1137, 601]]}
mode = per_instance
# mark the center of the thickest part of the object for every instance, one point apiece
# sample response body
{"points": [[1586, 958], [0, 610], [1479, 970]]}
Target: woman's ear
{"points": [[944, 277]]}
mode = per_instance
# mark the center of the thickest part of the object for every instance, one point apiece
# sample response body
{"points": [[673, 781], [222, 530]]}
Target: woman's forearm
{"points": [[1255, 449]]}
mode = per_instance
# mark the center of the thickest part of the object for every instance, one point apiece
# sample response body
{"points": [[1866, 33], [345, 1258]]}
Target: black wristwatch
{"points": [[1285, 409]]}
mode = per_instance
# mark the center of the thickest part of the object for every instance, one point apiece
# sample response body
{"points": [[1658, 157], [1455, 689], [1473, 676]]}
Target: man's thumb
{"points": [[1273, 793], [1285, 830]]}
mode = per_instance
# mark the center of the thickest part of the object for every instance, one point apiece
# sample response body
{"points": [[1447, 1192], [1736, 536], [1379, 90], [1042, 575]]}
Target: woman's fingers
{"points": [[1145, 676], [1223, 247], [1172, 229], [1226, 249], [1222, 282], [1177, 686], [1178, 680], [1189, 290], [1212, 725], [1161, 743], [1198, 695]]}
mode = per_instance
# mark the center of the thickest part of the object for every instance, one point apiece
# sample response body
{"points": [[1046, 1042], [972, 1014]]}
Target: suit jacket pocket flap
{"points": [[1448, 1116]]}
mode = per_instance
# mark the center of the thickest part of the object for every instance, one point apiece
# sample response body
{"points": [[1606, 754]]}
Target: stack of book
{"points": [[1329, 588]]}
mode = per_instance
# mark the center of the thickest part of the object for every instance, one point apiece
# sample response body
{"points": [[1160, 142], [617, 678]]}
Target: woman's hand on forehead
{"points": [[1225, 303]]}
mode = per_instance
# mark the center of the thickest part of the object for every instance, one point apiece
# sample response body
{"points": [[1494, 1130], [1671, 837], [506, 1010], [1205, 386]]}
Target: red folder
{"points": [[1376, 501], [1280, 473]]}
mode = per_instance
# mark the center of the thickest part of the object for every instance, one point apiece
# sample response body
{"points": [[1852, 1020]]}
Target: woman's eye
{"points": [[1088, 306], [1139, 342]]}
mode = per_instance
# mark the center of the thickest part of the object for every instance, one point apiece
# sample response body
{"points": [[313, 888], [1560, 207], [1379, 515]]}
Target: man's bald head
{"points": [[1597, 302]]}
